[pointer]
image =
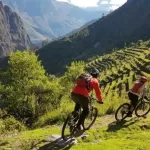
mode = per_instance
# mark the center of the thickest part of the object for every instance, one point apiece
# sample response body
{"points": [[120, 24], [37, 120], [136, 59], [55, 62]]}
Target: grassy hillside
{"points": [[106, 134], [119, 70], [127, 24]]}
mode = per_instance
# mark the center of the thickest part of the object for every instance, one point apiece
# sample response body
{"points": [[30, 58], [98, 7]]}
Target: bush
{"points": [[57, 115], [2, 126], [11, 124]]}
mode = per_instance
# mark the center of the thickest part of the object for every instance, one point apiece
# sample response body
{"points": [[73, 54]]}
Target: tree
{"points": [[69, 78], [28, 92]]}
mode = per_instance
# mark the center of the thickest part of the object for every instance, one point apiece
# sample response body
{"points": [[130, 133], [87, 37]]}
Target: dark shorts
{"points": [[133, 98], [80, 99]]}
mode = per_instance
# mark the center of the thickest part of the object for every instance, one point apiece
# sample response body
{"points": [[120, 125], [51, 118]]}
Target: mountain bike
{"points": [[69, 129], [141, 109]]}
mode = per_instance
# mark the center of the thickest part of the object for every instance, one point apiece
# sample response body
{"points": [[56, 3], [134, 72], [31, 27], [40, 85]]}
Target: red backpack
{"points": [[83, 80]]}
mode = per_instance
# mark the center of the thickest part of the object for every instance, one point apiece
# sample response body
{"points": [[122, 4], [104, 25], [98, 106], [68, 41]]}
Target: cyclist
{"points": [[80, 96], [138, 90]]}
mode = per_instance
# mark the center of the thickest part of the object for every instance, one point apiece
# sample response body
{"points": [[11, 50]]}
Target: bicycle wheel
{"points": [[90, 119], [69, 126], [142, 109], [121, 112]]}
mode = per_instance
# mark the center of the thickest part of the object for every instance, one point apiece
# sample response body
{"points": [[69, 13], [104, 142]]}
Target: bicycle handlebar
{"points": [[100, 102], [92, 98]]}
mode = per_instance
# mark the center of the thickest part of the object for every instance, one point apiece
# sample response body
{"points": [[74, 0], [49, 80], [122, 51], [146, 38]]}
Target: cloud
{"points": [[104, 1], [95, 3], [110, 4]]}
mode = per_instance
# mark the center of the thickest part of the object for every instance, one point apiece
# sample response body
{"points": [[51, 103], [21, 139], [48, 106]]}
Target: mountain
{"points": [[49, 18], [127, 24], [12, 33], [76, 30], [82, 27]]}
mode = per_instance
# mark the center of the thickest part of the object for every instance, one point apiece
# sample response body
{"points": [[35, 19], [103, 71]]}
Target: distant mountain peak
{"points": [[50, 18]]}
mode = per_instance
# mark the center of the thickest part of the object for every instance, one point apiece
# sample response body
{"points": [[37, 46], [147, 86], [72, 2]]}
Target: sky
{"points": [[93, 3]]}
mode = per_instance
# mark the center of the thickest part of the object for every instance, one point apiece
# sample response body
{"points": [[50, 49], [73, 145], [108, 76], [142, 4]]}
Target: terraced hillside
{"points": [[121, 68]]}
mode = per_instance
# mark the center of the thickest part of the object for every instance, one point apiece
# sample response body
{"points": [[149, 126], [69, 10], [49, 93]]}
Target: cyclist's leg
{"points": [[77, 107], [75, 98], [133, 101], [82, 117], [84, 103]]}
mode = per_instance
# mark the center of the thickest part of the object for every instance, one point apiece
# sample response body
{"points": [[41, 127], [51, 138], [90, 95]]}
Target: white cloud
{"points": [[118, 2], [94, 3]]}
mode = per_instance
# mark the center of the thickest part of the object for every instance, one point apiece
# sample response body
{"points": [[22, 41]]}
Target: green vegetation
{"points": [[133, 134], [26, 92], [37, 99], [119, 70], [30, 99]]}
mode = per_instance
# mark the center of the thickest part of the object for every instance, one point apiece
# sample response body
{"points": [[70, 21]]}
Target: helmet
{"points": [[143, 79], [94, 72]]}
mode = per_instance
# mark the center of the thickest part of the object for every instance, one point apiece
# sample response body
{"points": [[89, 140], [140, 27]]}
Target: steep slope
{"points": [[82, 27], [127, 24], [12, 33], [50, 18], [76, 30], [106, 134], [121, 68]]}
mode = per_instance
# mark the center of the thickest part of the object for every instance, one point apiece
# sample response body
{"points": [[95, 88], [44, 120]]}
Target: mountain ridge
{"points": [[123, 26], [50, 17]]}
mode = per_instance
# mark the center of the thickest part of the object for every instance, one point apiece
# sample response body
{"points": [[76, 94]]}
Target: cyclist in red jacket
{"points": [[80, 95], [135, 92]]}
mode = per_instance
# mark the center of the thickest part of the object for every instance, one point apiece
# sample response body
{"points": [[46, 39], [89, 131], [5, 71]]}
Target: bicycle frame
{"points": [[142, 99]]}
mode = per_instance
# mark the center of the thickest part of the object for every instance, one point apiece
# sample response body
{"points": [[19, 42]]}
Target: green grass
{"points": [[106, 134], [28, 139], [132, 135]]}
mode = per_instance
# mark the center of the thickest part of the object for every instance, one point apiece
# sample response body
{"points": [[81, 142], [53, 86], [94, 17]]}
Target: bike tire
{"points": [[69, 118], [93, 112], [142, 104], [126, 107]]}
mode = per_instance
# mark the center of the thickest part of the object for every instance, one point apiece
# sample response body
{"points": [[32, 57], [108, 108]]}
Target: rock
{"points": [[59, 142], [84, 136], [12, 33]]}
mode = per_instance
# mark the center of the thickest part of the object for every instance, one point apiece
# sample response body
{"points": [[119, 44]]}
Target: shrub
{"points": [[11, 124]]}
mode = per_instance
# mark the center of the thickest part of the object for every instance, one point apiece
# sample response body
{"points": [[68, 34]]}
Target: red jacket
{"points": [[138, 88], [94, 84]]}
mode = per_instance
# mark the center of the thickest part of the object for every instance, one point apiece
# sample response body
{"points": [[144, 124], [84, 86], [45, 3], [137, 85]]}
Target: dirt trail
{"points": [[55, 142]]}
